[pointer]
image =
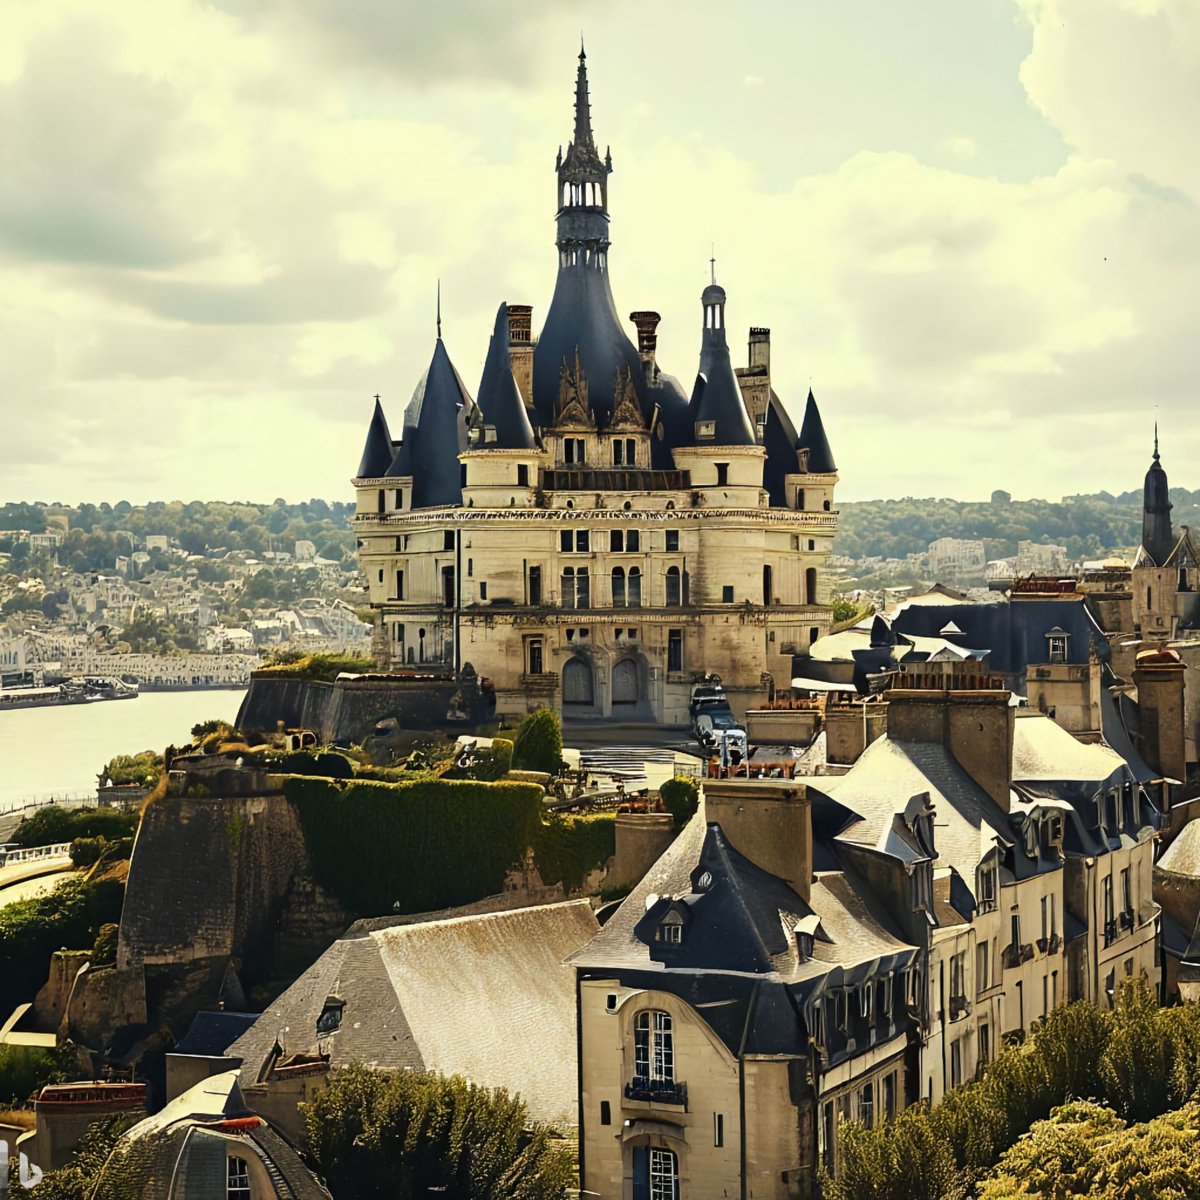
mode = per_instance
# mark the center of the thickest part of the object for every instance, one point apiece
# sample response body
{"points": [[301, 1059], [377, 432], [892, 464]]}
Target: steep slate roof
{"points": [[780, 441], [812, 438], [499, 399], [439, 411], [212, 1033], [377, 452], [1013, 633], [487, 997], [889, 773], [716, 395]]}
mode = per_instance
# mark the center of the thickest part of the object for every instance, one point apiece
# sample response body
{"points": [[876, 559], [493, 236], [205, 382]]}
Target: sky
{"points": [[971, 225]]}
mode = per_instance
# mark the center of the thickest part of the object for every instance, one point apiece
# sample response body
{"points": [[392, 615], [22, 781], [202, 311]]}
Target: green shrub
{"points": [[31, 930], [104, 950], [424, 844], [56, 824], [142, 769], [489, 763], [538, 742], [26, 1069], [566, 848], [681, 798], [323, 667], [410, 1135], [86, 851]]}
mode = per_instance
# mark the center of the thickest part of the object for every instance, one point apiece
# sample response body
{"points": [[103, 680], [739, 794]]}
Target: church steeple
{"points": [[583, 187], [1158, 539]]}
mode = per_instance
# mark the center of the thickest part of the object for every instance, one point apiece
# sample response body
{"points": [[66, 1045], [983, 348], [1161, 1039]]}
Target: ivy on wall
{"points": [[427, 844]]}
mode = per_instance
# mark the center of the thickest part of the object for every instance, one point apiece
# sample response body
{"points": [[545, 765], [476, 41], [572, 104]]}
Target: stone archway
{"points": [[625, 685], [579, 683]]}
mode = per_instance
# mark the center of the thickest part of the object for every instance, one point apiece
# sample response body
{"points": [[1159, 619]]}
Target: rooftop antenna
{"points": [[439, 309]]}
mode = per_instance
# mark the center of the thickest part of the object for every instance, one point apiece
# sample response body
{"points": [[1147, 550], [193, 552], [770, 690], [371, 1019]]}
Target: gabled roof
{"points": [[716, 396], [212, 1033], [500, 402], [812, 438], [377, 451], [487, 997]]}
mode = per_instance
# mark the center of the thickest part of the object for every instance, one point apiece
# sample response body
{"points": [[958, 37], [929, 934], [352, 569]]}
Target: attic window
{"points": [[1056, 646], [671, 929], [706, 431], [330, 1020]]}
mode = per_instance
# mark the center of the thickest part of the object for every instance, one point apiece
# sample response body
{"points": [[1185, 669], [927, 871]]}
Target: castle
{"points": [[584, 533]]}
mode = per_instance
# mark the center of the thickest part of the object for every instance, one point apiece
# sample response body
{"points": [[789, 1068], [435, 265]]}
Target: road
{"points": [[20, 872], [40, 885]]}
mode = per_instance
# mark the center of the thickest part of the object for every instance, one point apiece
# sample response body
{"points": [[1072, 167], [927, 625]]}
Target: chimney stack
{"points": [[1158, 674], [760, 349], [959, 706], [520, 348], [768, 821], [647, 331]]}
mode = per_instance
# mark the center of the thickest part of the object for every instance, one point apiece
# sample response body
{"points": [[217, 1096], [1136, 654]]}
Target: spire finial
{"points": [[712, 261], [583, 107], [376, 397], [582, 51], [439, 309], [1156, 439]]}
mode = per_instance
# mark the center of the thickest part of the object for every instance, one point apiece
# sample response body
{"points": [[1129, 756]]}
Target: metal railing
{"points": [[75, 799], [10, 858]]}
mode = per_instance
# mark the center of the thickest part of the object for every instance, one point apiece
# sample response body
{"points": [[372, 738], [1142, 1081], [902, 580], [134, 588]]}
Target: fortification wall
{"points": [[347, 710], [209, 879]]}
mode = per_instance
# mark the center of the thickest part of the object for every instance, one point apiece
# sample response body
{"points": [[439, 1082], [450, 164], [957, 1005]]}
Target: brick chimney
{"points": [[760, 349], [520, 348], [647, 331], [959, 706], [769, 821], [1158, 674]]}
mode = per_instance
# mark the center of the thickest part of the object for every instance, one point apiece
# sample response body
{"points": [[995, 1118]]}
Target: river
{"points": [[45, 751]]}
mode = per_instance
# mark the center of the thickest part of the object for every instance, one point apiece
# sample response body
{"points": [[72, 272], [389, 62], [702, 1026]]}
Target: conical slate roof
{"points": [[716, 396], [779, 441], [377, 452], [500, 402], [1158, 539], [813, 439], [439, 411]]}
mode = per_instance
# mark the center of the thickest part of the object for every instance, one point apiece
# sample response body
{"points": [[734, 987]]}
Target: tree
{"points": [[538, 742], [408, 1135]]}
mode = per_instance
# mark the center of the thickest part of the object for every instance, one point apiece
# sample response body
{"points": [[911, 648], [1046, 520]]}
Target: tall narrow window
{"points": [[654, 1046], [768, 593], [810, 586], [582, 540], [616, 541], [522, 474], [237, 1179], [632, 541], [535, 656], [618, 452], [674, 589], [618, 587], [634, 592], [672, 541], [535, 585], [718, 1129], [674, 649], [722, 474], [1126, 891], [399, 585]]}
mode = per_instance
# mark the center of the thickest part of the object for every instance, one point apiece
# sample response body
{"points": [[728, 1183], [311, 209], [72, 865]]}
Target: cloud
{"points": [[959, 146]]}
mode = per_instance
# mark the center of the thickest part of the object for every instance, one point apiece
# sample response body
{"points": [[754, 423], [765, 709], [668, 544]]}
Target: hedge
{"points": [[436, 843], [424, 845], [537, 745], [681, 798], [325, 667]]}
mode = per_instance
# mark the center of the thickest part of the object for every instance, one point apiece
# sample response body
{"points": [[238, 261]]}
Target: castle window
{"points": [[483, 591], [987, 888], [812, 545], [533, 655], [330, 1020], [655, 1174], [722, 474], [800, 499], [671, 930], [522, 474], [1056, 646], [632, 541], [582, 541], [634, 589], [618, 587], [727, 594], [470, 567], [399, 585], [674, 593], [618, 452], [535, 585], [672, 541], [237, 1186], [674, 649], [448, 540], [573, 451], [566, 541], [654, 1046], [576, 587], [825, 505]]}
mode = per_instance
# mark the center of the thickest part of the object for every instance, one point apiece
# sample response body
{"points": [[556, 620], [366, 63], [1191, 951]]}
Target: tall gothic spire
{"points": [[1158, 538], [583, 107]]}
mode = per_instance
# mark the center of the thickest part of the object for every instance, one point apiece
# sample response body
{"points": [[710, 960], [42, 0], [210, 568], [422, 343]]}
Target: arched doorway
{"points": [[625, 682], [578, 682]]}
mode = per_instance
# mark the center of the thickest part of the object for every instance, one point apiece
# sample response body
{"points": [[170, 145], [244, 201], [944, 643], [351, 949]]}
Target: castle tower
{"points": [[1158, 539]]}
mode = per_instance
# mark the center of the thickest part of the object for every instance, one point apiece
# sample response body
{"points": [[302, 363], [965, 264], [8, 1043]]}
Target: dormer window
{"points": [[987, 887], [706, 431], [670, 929], [1056, 646], [330, 1020]]}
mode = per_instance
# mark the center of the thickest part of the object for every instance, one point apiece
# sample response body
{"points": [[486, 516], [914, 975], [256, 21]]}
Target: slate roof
{"points": [[500, 402], [487, 997], [889, 773], [780, 441], [212, 1033], [1182, 856], [377, 452], [1014, 634], [438, 415], [812, 438], [716, 395]]}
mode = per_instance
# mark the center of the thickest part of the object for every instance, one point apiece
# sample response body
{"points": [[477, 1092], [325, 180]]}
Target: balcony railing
{"points": [[1014, 955], [656, 1091], [1049, 945], [959, 1007]]}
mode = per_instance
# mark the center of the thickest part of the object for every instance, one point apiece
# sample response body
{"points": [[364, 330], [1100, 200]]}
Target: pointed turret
{"points": [[583, 105], [779, 441], [436, 432], [500, 402], [1158, 539], [812, 438], [378, 450], [718, 411]]}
